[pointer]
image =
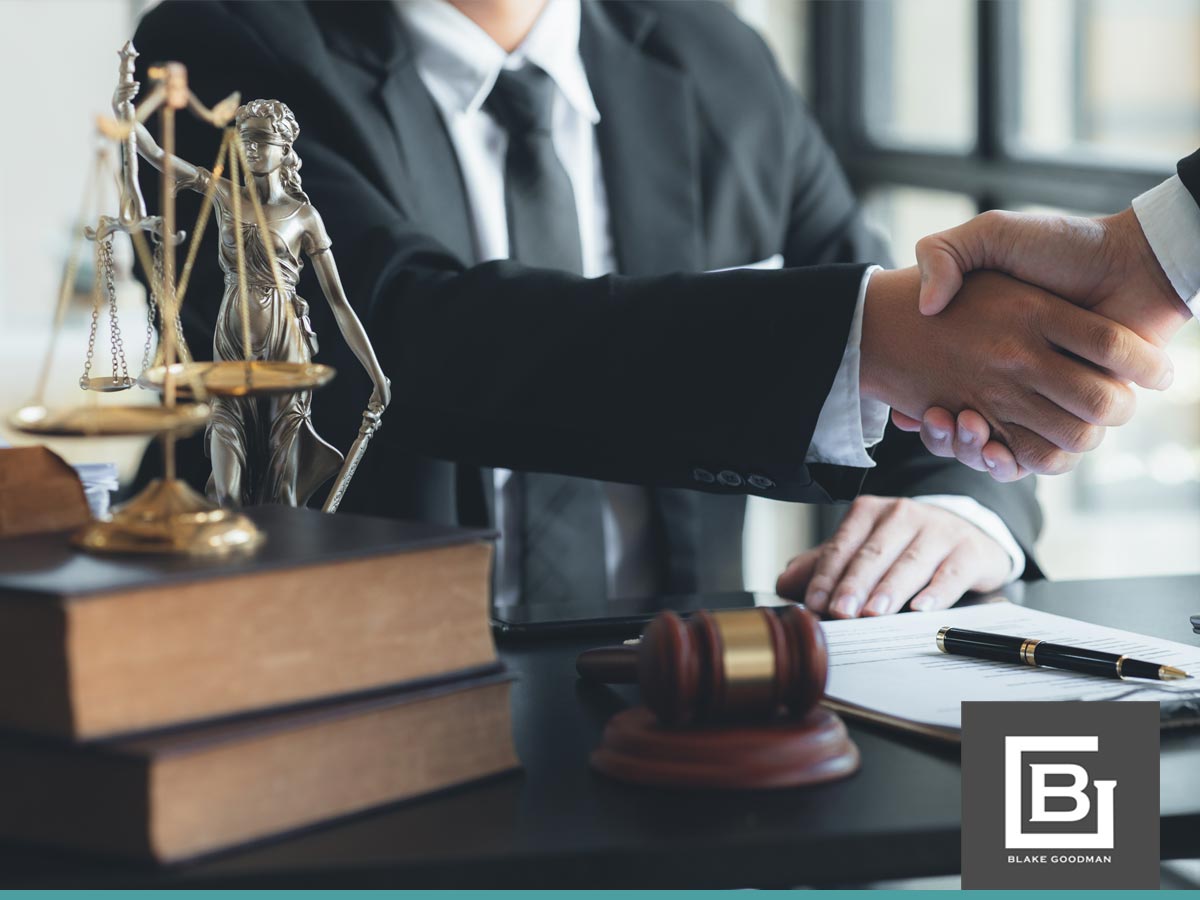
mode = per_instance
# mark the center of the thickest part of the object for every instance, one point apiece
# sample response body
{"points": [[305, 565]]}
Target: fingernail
{"points": [[965, 436], [880, 603], [1166, 379], [847, 604], [818, 596], [937, 434], [925, 601]]}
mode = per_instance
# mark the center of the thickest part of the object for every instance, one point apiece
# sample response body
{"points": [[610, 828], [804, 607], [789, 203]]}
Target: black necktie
{"points": [[557, 521], [543, 225]]}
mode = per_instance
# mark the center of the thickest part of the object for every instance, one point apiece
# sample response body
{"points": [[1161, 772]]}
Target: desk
{"points": [[560, 825]]}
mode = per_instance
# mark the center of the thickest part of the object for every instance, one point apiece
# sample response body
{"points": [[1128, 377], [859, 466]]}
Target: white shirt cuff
{"points": [[1170, 219], [986, 521], [849, 424]]}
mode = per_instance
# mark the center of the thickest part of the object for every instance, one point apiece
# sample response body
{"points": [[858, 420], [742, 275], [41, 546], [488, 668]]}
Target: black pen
{"points": [[1005, 648]]}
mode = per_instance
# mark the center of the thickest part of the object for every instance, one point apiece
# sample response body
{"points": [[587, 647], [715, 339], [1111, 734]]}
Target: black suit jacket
{"points": [[706, 386], [1189, 174]]}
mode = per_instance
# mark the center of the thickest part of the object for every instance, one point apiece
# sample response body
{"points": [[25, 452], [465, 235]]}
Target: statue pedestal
{"points": [[170, 517]]}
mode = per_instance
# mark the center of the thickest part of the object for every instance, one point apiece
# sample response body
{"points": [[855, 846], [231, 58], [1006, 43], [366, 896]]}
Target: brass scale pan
{"points": [[106, 384], [231, 378], [240, 378]]}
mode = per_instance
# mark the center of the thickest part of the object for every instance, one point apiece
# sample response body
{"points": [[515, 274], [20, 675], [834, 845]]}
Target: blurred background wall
{"points": [[938, 108], [58, 62]]}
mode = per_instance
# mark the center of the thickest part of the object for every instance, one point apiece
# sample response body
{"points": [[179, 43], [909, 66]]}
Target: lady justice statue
{"points": [[264, 448]]}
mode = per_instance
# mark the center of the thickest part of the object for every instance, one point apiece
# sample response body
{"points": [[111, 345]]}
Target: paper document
{"points": [[890, 670]]}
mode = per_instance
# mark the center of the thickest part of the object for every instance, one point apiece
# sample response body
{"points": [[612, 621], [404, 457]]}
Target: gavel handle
{"points": [[609, 665]]}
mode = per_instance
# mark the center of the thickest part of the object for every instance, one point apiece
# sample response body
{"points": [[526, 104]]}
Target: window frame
{"points": [[989, 172]]}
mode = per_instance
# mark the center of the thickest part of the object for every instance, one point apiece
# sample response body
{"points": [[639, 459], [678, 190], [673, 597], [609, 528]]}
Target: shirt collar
{"points": [[463, 62]]}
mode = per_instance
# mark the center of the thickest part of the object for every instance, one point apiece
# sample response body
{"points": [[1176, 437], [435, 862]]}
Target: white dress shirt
{"points": [[459, 63], [1170, 219]]}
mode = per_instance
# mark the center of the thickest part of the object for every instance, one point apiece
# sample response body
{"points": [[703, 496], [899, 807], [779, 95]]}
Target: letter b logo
{"points": [[1016, 838]]}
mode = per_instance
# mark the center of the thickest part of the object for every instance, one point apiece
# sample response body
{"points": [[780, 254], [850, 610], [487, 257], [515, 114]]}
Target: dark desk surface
{"points": [[560, 825]]}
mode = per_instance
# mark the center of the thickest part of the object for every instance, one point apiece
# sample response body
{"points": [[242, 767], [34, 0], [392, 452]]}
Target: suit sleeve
{"points": [[622, 379], [1189, 174]]}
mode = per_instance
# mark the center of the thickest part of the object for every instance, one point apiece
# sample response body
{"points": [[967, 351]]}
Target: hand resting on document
{"points": [[890, 550]]}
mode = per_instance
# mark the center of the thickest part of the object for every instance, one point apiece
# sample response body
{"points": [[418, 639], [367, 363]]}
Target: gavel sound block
{"points": [[731, 702]]}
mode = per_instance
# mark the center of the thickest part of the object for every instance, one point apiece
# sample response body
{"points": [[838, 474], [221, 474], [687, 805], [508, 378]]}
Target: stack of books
{"points": [[168, 708]]}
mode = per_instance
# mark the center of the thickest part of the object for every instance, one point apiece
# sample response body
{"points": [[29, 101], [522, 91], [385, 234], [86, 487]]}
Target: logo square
{"points": [[1060, 796]]}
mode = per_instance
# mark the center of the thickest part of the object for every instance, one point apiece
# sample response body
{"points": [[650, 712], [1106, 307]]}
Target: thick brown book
{"points": [[189, 792], [94, 646], [38, 493]]}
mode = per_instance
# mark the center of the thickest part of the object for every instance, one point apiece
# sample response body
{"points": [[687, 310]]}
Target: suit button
{"points": [[728, 478], [762, 482], [703, 476]]}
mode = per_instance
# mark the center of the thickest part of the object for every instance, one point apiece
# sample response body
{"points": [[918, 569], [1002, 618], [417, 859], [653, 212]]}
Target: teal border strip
{"points": [[592, 895]]}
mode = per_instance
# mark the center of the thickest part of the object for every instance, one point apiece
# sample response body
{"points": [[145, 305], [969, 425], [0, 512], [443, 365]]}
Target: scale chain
{"points": [[116, 344], [152, 305], [85, 378], [181, 347]]}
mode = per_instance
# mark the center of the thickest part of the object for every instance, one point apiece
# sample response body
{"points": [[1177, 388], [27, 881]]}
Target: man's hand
{"points": [[888, 551], [1105, 265], [999, 349]]}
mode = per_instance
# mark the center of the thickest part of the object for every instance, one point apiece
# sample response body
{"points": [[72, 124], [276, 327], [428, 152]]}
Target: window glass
{"points": [[782, 24], [919, 78], [1109, 79], [905, 215], [1132, 507]]}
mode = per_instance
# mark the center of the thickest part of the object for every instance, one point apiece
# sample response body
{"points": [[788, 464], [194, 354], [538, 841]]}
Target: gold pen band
{"points": [[941, 638], [1028, 651], [1121, 662]]}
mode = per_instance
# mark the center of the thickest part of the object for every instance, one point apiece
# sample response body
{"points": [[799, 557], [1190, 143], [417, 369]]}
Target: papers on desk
{"points": [[890, 670], [99, 482]]}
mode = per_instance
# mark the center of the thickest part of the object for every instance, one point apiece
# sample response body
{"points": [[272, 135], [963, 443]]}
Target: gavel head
{"points": [[746, 664]]}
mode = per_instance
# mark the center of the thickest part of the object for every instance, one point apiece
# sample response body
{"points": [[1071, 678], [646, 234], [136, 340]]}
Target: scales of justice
{"points": [[253, 400]]}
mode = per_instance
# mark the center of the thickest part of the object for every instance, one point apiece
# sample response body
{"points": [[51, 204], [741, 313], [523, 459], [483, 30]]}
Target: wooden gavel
{"points": [[747, 665]]}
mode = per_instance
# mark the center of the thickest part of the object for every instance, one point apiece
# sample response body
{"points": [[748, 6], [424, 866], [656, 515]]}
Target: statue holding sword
{"points": [[261, 439]]}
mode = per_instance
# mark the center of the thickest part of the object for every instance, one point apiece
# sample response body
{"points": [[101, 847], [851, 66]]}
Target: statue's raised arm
{"points": [[186, 174]]}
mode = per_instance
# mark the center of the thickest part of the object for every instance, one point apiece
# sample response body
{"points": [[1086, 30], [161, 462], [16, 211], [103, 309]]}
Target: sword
{"points": [[370, 424]]}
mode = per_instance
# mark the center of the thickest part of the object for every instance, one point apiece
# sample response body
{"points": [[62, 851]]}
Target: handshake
{"points": [[1030, 329], [1035, 354]]}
